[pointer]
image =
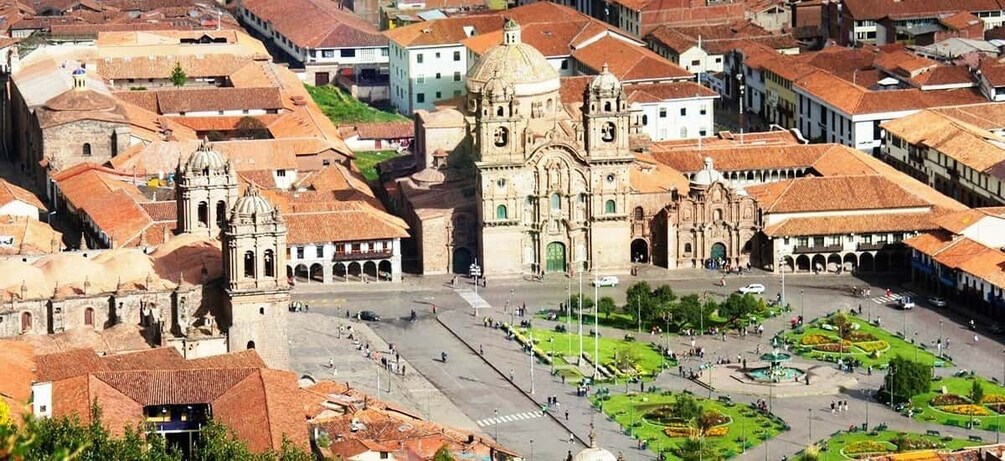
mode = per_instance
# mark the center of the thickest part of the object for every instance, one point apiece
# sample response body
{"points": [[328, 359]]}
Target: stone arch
{"points": [[462, 259], [833, 262], [25, 322], [639, 214], [86, 149], [270, 263], [866, 262], [251, 345], [640, 251], [249, 264], [339, 272], [89, 317], [819, 263], [370, 269], [355, 270], [803, 263], [787, 264], [301, 272], [688, 248], [501, 212], [317, 273], [203, 214], [385, 270], [850, 262], [221, 213]]}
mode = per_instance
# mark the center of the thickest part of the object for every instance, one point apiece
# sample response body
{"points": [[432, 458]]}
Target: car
{"points": [[905, 303], [369, 316], [753, 288], [937, 301], [609, 281]]}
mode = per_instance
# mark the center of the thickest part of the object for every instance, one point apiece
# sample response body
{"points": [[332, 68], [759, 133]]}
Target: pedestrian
{"points": [[723, 335], [739, 358], [511, 374], [347, 313], [744, 364], [402, 370], [566, 415], [481, 350], [331, 362], [563, 379], [757, 350], [572, 438], [976, 339], [833, 406], [569, 456]]}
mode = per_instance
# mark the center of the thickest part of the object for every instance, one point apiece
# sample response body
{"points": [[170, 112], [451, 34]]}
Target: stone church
{"points": [[216, 287], [520, 183]]}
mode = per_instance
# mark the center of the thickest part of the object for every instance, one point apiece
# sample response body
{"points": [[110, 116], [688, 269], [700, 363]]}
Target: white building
{"points": [[679, 110]]}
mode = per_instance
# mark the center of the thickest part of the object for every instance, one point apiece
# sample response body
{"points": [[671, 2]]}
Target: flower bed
{"points": [[993, 398], [843, 346], [715, 418], [966, 410], [948, 399], [717, 431], [873, 346], [915, 443], [858, 337], [677, 430], [866, 446], [997, 408], [816, 339]]}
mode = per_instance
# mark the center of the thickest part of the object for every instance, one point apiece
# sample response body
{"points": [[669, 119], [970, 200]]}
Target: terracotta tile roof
{"points": [[161, 211], [959, 251], [852, 99], [205, 99], [834, 193], [878, 9], [11, 192], [17, 360], [944, 75], [649, 176], [161, 358], [930, 242], [857, 224], [726, 140], [69, 364], [734, 157], [387, 130], [152, 66], [220, 123], [247, 155], [719, 38], [958, 222], [628, 62], [316, 23], [241, 359], [30, 236], [666, 91], [174, 387], [989, 266], [974, 147], [317, 222], [442, 31], [960, 20]]}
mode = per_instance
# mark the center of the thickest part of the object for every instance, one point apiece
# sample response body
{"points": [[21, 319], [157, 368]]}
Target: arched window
{"points": [[610, 207], [270, 263], [501, 212], [251, 344], [717, 214], [645, 120], [501, 137], [549, 105], [607, 106], [249, 264], [87, 149], [608, 131], [221, 213], [89, 317], [499, 111], [203, 214], [687, 248], [261, 311], [639, 214], [556, 202]]}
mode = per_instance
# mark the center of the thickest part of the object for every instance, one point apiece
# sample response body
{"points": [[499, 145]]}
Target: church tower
{"points": [[498, 128], [254, 261], [207, 187], [606, 117]]}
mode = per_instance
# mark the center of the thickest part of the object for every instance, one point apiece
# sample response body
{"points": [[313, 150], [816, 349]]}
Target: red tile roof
{"points": [[628, 62], [316, 23], [817, 194], [205, 99], [878, 9], [386, 130]]}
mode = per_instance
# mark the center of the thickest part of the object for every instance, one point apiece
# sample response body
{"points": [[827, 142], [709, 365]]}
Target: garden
{"points": [[342, 108], [843, 336], [367, 161], [861, 444], [961, 401], [620, 358], [681, 426]]}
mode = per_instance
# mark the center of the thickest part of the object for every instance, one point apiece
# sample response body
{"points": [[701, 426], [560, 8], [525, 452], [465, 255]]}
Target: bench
{"points": [[725, 399], [881, 428], [931, 432], [975, 438]]}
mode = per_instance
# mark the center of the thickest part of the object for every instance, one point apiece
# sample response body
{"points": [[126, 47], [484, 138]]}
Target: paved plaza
{"points": [[474, 391]]}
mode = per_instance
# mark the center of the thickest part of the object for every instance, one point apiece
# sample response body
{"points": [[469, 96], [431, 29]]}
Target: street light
{"points": [[809, 439], [939, 342], [531, 362], [893, 385], [531, 449], [496, 412], [802, 306]]}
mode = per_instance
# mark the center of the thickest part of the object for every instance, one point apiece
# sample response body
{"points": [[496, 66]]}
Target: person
{"points": [[414, 316], [566, 415], [443, 356], [481, 350], [331, 362], [572, 438], [973, 326], [976, 339], [511, 374]]}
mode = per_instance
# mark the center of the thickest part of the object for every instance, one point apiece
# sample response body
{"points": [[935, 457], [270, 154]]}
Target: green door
{"points": [[556, 257], [718, 252]]}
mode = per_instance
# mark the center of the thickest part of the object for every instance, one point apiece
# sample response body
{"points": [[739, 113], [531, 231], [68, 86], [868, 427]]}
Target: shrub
{"points": [[814, 339]]}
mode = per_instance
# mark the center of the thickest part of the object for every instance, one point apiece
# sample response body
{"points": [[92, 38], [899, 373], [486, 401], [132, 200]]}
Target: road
{"points": [[480, 387]]}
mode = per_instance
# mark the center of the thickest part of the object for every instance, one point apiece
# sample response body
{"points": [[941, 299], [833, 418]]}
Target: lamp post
{"points": [[596, 328], [496, 413], [809, 420], [782, 266], [531, 449], [802, 306], [868, 400], [893, 386], [531, 351], [551, 354], [638, 310], [580, 302], [939, 342]]}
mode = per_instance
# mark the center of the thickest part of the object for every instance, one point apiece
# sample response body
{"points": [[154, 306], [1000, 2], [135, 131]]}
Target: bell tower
{"points": [[606, 117], [254, 262], [498, 127], [207, 188]]}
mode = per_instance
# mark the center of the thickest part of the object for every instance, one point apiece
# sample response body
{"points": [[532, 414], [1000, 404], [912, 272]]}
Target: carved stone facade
{"points": [[713, 223]]}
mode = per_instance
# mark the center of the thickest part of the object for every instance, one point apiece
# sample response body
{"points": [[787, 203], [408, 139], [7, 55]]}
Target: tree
{"points": [[606, 306], [637, 295], [443, 454], [178, 77], [811, 453], [695, 449], [689, 311], [707, 420], [249, 127], [574, 303], [976, 392], [907, 379], [625, 358], [685, 407], [738, 307]]}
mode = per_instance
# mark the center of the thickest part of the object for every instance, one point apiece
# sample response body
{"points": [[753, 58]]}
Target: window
{"points": [[87, 149], [645, 120], [457, 93], [457, 55], [556, 202], [703, 110], [639, 214], [89, 317], [457, 76], [501, 212], [249, 264], [683, 111], [437, 75], [802, 241], [565, 64], [610, 207], [420, 98], [203, 214], [319, 251], [327, 53], [687, 248], [867, 239], [696, 62], [420, 78], [663, 112], [383, 52], [437, 55], [439, 95], [281, 173], [418, 58]]}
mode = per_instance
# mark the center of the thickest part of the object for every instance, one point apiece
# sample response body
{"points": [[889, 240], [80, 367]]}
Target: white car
{"points": [[609, 281], [937, 301], [905, 302], [753, 288]]}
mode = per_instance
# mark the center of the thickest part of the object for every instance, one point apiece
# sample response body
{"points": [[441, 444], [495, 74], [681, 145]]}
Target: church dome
{"points": [[205, 159], [706, 176], [595, 454], [518, 63], [606, 82], [252, 203]]}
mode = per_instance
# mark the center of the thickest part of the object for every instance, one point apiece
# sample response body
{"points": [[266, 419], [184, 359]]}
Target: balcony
{"points": [[817, 248], [871, 246], [358, 255], [175, 426]]}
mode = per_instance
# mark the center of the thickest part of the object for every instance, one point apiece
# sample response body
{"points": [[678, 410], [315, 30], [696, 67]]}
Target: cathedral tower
{"points": [[207, 187], [254, 261], [606, 117]]}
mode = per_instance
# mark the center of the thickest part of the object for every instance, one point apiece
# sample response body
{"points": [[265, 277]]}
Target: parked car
{"points": [[905, 303], [609, 281], [369, 316], [937, 301], [753, 288]]}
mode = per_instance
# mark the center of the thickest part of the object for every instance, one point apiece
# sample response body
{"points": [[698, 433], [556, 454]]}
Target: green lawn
{"points": [[559, 344], [994, 396], [808, 342], [859, 444], [342, 108], [745, 424], [367, 161]]}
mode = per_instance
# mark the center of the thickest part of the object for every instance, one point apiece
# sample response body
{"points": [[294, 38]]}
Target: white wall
{"points": [[41, 399], [675, 125], [19, 208], [411, 78], [989, 231]]}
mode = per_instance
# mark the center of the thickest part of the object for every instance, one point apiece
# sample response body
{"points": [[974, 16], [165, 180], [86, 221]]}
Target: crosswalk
{"points": [[473, 299], [894, 297], [510, 418]]}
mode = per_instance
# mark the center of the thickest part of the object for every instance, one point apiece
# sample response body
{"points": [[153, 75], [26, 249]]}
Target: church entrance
{"points": [[556, 257], [640, 251], [718, 252], [462, 261]]}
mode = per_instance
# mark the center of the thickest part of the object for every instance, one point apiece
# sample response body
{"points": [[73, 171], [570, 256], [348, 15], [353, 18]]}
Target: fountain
{"points": [[775, 372]]}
